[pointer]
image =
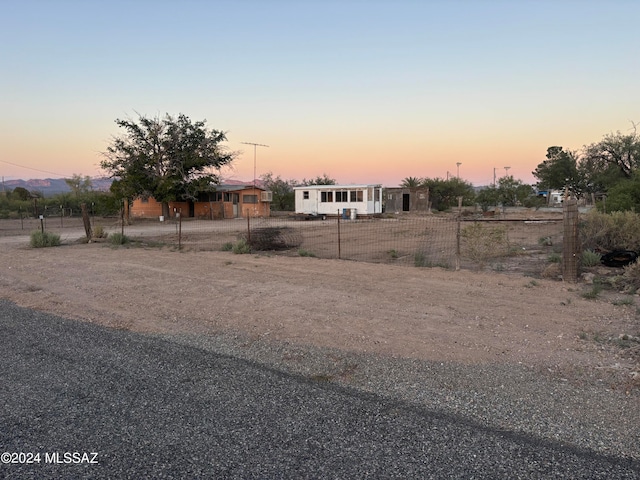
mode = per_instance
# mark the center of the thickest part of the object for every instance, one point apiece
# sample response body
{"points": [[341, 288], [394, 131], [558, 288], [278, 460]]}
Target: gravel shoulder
{"points": [[515, 354]]}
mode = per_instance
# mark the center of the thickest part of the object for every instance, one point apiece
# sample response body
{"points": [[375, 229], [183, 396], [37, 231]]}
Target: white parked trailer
{"points": [[350, 200]]}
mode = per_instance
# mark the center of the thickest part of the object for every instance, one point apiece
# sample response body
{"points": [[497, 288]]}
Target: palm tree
{"points": [[411, 182]]}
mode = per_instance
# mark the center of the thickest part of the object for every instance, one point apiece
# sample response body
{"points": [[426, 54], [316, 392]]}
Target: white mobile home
{"points": [[345, 200]]}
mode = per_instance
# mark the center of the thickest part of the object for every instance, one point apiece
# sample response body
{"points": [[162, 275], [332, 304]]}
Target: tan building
{"points": [[227, 201]]}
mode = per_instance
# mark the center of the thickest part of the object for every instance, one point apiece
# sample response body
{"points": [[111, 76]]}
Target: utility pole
{"points": [[255, 146], [506, 171], [458, 165]]}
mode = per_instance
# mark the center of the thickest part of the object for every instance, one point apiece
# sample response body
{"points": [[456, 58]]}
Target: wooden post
{"points": [[570, 243], [459, 219], [86, 220], [180, 229]]}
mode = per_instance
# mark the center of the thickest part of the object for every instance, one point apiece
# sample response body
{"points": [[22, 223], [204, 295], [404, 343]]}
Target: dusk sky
{"points": [[364, 91]]}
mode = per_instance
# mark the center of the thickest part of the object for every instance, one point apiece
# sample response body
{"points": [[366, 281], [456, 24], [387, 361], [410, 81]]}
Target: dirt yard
{"points": [[427, 313]]}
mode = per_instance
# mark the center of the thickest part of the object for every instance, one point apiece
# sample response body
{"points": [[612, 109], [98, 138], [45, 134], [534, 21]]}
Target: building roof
{"points": [[336, 187], [236, 188]]}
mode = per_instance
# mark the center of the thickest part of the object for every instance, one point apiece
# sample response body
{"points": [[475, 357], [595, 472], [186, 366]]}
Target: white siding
{"points": [[337, 198]]}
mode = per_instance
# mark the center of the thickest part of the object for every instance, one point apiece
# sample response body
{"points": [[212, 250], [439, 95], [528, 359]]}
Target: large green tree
{"points": [[512, 192], [558, 171], [79, 184], [444, 194], [613, 160], [168, 158], [617, 150], [319, 180], [283, 194], [624, 195], [508, 192]]}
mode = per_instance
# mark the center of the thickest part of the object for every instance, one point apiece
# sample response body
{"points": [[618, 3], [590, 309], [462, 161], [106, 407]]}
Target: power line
{"points": [[31, 168]]}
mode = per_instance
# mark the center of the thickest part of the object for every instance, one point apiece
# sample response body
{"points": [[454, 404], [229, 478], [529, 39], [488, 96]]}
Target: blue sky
{"points": [[366, 92]]}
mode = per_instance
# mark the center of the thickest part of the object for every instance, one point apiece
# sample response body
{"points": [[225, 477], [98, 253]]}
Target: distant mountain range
{"points": [[53, 186]]}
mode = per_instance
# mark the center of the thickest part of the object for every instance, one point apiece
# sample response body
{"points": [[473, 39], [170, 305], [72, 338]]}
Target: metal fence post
{"points": [[338, 234]]}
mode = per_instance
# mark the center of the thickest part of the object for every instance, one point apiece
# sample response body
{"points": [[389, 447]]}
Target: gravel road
{"points": [[193, 407]]}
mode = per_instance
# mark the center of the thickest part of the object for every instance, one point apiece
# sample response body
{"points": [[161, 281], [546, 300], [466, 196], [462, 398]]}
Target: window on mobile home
{"points": [[305, 194], [326, 197], [341, 196], [356, 195]]}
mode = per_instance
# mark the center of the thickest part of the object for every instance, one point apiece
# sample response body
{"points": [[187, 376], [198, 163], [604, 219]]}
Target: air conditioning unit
{"points": [[266, 196]]}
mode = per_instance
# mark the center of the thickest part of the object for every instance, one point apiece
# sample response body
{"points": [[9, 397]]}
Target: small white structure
{"points": [[345, 200]]}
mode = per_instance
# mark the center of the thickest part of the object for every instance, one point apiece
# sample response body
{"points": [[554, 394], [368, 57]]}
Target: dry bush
{"points": [[630, 279], [610, 231], [273, 238], [552, 271], [483, 243]]}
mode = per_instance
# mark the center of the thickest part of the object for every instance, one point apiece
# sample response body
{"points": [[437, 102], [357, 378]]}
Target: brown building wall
{"points": [[418, 200], [150, 208]]}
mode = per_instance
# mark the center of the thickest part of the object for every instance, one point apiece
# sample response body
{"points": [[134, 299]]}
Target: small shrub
{"points": [[227, 247], [545, 241], [118, 239], [551, 271], [590, 258], [98, 232], [623, 301], [593, 293], [241, 247], [305, 253], [393, 253], [554, 258], [41, 239], [419, 260]]}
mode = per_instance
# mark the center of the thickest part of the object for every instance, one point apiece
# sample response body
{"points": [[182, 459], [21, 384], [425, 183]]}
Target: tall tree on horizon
{"points": [[168, 158]]}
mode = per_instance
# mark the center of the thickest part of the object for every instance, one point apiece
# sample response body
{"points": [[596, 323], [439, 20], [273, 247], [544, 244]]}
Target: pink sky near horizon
{"points": [[362, 161]]}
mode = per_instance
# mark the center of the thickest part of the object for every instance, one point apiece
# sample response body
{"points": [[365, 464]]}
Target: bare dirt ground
{"points": [[426, 313]]}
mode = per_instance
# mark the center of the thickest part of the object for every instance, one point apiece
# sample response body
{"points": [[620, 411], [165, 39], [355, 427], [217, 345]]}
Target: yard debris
{"points": [[619, 258]]}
